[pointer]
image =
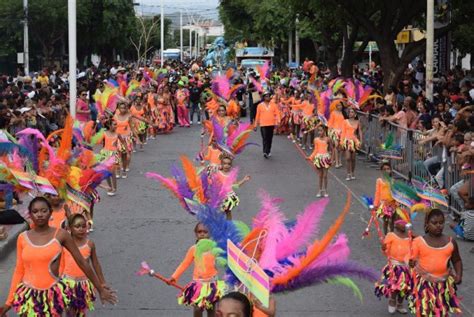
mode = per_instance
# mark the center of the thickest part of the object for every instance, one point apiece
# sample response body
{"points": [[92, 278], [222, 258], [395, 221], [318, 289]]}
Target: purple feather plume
{"points": [[322, 274]]}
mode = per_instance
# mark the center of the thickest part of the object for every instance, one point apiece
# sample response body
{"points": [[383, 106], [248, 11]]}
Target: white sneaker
{"points": [[353, 177], [326, 194], [269, 154], [134, 151], [348, 178], [124, 176], [402, 310], [190, 122], [319, 194], [294, 141], [127, 169], [117, 175], [199, 122], [110, 193], [392, 309]]}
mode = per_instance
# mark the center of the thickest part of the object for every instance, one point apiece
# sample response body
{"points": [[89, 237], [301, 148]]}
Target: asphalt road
{"points": [[143, 222]]}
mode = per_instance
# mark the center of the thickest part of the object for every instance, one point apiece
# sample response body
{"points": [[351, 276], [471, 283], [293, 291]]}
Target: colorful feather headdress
{"points": [[193, 188], [230, 138]]}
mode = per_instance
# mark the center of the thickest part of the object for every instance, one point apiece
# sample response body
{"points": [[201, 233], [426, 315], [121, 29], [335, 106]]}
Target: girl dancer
{"points": [[111, 143], [384, 203], [36, 289], [435, 285], [335, 125], [182, 98], [322, 159], [308, 122], [212, 157], [396, 282], [232, 199], [296, 108], [139, 126], [58, 216], [350, 138], [205, 289], [82, 297], [123, 119]]}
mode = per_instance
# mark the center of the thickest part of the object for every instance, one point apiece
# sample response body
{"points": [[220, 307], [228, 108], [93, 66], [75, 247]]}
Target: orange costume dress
{"points": [[110, 148], [396, 276], [435, 289], [321, 157], [335, 126], [297, 112], [349, 140], [383, 201], [34, 290], [58, 218], [138, 126], [83, 296], [125, 131], [232, 200], [205, 289], [309, 119], [212, 157]]}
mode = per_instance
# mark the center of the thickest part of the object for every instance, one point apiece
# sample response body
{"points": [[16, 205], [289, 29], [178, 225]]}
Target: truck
{"points": [[251, 57]]}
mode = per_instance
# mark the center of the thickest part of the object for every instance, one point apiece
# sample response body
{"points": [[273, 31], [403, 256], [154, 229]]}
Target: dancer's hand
{"points": [[384, 247], [457, 279], [4, 310], [412, 263], [108, 296], [247, 178], [171, 281]]}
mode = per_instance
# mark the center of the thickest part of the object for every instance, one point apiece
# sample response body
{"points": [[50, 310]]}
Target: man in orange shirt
{"points": [[268, 116]]}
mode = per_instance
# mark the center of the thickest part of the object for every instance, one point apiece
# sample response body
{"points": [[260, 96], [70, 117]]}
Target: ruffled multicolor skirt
{"points": [[396, 278], [350, 145], [322, 160], [83, 296], [335, 135], [436, 298], [126, 146], [106, 154], [51, 302], [310, 123], [230, 202], [386, 210], [296, 118], [202, 294]]}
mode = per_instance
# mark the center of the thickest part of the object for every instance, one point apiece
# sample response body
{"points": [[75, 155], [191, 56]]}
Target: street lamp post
{"points": [[26, 53], [429, 48], [162, 44], [71, 12]]}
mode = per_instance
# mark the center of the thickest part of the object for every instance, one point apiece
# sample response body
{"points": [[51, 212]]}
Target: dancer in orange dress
{"points": [[83, 293], [139, 126], [335, 125], [296, 117], [434, 292], [384, 203], [36, 288], [350, 141], [308, 122], [182, 100], [321, 158], [123, 119], [205, 289], [396, 282]]}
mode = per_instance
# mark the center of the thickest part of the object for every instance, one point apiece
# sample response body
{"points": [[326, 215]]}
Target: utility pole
{"points": [[26, 53], [162, 44], [290, 47], [71, 14], [429, 48], [196, 42], [190, 43], [181, 35], [297, 42]]}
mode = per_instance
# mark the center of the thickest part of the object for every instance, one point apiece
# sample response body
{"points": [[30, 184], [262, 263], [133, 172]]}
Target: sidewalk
{"points": [[13, 231]]}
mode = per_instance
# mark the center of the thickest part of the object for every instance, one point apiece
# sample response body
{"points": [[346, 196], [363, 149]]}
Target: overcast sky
{"points": [[206, 8]]}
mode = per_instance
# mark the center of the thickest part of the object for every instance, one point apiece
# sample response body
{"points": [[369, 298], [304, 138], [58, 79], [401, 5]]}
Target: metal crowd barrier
{"points": [[413, 155]]}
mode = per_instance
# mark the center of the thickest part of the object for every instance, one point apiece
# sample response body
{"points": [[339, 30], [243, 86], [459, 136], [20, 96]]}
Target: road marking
{"points": [[362, 218]]}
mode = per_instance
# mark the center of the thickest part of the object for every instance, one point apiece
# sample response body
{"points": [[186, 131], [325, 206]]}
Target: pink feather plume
{"points": [[306, 226], [257, 84]]}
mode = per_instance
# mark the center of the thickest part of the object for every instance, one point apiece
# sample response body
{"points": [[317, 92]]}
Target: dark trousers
{"points": [[195, 109], [253, 112], [267, 138]]}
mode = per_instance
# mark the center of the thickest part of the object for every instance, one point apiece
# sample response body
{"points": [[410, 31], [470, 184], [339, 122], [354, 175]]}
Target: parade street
{"points": [[144, 222]]}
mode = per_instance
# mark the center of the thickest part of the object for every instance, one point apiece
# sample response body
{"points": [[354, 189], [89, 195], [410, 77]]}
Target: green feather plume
{"points": [[242, 228], [345, 281]]}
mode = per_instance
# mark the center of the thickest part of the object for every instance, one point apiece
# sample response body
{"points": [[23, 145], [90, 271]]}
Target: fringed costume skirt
{"points": [[396, 278], [202, 294]]}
